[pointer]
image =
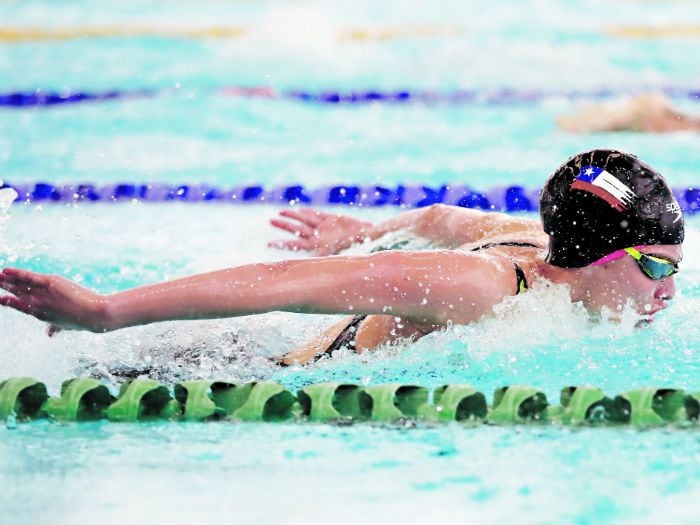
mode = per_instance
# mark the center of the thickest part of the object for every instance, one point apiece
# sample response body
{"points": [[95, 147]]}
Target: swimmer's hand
{"points": [[319, 232], [56, 300]]}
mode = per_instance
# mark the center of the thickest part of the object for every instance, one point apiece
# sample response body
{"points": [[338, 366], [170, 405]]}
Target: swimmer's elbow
{"points": [[430, 215]]}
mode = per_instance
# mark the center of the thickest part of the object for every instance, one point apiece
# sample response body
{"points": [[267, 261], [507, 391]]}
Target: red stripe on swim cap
{"points": [[599, 192]]}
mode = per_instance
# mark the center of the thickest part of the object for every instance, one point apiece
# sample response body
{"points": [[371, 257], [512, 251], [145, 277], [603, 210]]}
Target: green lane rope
{"points": [[333, 401], [23, 397], [141, 400], [517, 404], [83, 399], [584, 404]]}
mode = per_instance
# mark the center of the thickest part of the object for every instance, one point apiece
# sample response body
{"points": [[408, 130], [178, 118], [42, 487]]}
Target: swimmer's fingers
{"points": [[296, 245], [18, 274], [16, 287], [55, 299], [24, 306], [19, 305], [300, 230], [307, 215], [17, 291], [25, 287], [7, 278], [24, 278]]}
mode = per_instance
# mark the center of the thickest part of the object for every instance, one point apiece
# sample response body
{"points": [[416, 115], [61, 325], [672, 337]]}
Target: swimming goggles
{"points": [[653, 266]]}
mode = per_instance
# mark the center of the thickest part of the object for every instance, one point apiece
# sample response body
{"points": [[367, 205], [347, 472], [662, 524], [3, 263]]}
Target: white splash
{"points": [[7, 197], [542, 317]]}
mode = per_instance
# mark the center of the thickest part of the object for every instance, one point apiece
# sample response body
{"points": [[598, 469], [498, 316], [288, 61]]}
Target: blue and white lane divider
{"points": [[502, 198], [500, 96]]}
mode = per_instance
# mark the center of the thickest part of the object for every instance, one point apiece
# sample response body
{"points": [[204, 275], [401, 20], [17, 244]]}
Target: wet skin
{"points": [[614, 284]]}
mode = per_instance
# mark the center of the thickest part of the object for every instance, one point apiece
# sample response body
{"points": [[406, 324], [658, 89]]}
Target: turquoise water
{"points": [[317, 474], [181, 473]]}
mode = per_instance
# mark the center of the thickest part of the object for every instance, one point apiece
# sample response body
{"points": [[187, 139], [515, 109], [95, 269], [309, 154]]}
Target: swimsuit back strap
{"points": [[346, 337], [520, 280], [492, 244]]}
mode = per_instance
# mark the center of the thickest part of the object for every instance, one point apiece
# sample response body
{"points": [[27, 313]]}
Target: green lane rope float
{"points": [[142, 399], [81, 399], [582, 404], [692, 405], [518, 404], [84, 399], [203, 400], [459, 403], [394, 402], [22, 397], [652, 406], [334, 401], [266, 401]]}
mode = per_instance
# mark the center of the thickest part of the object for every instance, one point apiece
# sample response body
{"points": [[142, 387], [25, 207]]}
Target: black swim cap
{"points": [[601, 201]]}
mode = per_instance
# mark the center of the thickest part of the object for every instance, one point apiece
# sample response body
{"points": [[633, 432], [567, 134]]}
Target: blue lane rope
{"points": [[513, 198], [332, 97], [41, 98]]}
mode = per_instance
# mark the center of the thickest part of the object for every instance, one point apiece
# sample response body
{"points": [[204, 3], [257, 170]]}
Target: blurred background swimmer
{"points": [[652, 113]]}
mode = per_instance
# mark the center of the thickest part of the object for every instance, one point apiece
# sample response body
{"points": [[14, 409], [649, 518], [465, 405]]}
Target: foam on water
{"points": [[7, 197]]}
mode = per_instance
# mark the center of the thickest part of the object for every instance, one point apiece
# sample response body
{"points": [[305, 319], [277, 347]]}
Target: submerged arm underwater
{"points": [[436, 287]]}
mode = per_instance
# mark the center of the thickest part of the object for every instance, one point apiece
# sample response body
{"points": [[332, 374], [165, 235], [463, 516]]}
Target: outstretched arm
{"points": [[447, 226], [432, 287]]}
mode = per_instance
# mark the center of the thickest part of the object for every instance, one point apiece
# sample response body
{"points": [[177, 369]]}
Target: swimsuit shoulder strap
{"points": [[492, 244], [520, 280]]}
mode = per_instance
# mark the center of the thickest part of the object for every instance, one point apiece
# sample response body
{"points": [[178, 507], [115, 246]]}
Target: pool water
{"points": [[259, 473]]}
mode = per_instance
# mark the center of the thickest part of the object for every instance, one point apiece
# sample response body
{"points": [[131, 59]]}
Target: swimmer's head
{"points": [[602, 201], [614, 219]]}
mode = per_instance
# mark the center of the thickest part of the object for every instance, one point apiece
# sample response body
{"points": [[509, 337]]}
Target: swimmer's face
{"points": [[618, 282]]}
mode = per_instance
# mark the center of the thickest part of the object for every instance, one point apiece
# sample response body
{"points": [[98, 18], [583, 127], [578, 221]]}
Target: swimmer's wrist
{"points": [[113, 314], [124, 309]]}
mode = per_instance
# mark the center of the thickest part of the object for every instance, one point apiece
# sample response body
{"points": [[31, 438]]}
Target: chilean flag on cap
{"points": [[604, 185]]}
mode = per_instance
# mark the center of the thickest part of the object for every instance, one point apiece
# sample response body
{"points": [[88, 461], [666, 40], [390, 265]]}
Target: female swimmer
{"points": [[611, 230]]}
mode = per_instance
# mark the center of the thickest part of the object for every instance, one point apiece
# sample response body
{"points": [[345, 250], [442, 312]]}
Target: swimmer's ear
{"points": [[52, 330]]}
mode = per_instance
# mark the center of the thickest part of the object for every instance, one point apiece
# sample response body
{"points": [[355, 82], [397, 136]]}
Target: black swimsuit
{"points": [[347, 336], [520, 280]]}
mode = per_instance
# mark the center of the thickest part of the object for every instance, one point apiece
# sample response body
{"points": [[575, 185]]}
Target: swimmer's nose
{"points": [[666, 289]]}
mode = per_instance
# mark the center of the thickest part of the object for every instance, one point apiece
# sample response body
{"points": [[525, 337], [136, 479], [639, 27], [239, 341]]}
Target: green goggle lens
{"points": [[653, 267]]}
